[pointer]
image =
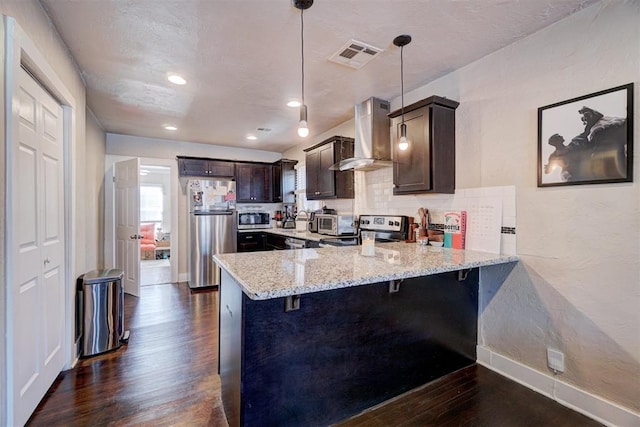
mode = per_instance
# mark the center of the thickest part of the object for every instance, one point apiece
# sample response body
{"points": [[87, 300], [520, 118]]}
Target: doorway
{"points": [[155, 224]]}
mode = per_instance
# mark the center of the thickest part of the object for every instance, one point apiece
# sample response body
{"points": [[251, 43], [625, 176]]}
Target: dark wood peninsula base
{"points": [[343, 350]]}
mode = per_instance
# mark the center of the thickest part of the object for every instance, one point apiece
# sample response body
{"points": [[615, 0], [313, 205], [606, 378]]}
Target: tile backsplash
{"points": [[374, 195]]}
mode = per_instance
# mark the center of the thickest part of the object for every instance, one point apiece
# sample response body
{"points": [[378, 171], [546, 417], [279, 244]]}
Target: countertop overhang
{"points": [[275, 274]]}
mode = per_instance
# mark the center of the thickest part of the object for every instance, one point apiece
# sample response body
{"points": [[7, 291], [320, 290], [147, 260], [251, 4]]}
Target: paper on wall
{"points": [[484, 224]]}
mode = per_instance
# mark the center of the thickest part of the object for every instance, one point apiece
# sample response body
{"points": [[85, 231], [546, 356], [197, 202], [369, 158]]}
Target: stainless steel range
{"points": [[388, 228]]}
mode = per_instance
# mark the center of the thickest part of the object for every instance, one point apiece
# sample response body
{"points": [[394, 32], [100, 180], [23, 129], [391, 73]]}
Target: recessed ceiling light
{"points": [[294, 103], [176, 79], [252, 137], [170, 127]]}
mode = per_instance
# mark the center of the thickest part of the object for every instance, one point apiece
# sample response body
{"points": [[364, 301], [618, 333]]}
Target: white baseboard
{"points": [[183, 277], [595, 407]]}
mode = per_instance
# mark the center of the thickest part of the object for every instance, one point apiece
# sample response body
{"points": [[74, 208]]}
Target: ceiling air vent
{"points": [[355, 54]]}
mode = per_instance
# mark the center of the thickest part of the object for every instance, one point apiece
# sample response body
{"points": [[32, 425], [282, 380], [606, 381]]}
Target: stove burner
{"points": [[388, 228]]}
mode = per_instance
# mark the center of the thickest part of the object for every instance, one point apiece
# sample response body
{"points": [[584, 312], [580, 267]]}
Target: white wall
{"points": [[136, 146], [32, 19], [94, 201], [577, 287], [30, 16], [3, 272]]}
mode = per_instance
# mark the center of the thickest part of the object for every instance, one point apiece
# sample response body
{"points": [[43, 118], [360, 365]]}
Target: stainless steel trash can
{"points": [[102, 309]]}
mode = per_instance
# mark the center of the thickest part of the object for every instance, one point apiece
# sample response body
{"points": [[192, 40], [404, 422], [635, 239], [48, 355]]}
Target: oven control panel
{"points": [[383, 222]]}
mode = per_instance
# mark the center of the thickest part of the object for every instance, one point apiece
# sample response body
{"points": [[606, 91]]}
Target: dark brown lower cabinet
{"points": [[251, 241], [343, 350]]}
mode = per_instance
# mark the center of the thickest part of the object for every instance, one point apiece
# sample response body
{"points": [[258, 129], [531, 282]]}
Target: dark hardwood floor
{"points": [[167, 375], [473, 396]]}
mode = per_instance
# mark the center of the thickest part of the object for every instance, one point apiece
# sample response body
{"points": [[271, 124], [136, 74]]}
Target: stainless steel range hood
{"points": [[372, 138]]}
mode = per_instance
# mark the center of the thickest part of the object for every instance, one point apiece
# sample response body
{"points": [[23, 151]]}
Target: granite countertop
{"points": [[274, 274]]}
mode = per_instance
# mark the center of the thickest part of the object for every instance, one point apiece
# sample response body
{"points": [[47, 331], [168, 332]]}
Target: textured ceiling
{"points": [[241, 59]]}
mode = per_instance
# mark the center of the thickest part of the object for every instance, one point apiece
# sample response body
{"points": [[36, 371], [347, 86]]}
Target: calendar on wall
{"points": [[484, 224]]}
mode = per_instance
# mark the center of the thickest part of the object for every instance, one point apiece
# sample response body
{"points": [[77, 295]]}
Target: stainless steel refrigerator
{"points": [[213, 226]]}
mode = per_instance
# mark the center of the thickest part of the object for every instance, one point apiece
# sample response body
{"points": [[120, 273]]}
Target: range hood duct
{"points": [[372, 138]]}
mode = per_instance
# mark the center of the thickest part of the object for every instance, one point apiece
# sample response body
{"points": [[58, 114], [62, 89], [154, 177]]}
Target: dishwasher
{"points": [[295, 243]]}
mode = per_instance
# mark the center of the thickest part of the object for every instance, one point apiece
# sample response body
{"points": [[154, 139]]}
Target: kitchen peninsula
{"points": [[314, 336]]}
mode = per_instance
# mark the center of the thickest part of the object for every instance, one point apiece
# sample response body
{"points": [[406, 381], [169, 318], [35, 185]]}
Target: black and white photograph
{"points": [[587, 140]]}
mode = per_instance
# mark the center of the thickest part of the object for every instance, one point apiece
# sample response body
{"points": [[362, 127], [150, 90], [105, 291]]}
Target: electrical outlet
{"points": [[555, 360]]}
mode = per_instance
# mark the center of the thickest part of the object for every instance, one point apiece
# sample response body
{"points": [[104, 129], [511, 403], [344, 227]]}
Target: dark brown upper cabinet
{"points": [[429, 164], [253, 182], [323, 183], [203, 167], [284, 181]]}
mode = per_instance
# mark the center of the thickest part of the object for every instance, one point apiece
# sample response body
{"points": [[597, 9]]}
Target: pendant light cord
{"points": [[302, 49], [402, 80]]}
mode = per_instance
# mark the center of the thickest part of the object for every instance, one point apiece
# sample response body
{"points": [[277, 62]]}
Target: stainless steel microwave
{"points": [[336, 225], [250, 220]]}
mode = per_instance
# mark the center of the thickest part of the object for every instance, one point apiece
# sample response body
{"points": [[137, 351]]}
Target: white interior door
{"points": [[127, 195], [36, 245]]}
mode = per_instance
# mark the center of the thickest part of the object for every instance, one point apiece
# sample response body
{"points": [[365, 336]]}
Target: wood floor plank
{"points": [[474, 396], [167, 376]]}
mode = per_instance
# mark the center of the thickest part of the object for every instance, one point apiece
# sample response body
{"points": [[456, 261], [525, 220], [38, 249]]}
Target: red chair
{"points": [[148, 242]]}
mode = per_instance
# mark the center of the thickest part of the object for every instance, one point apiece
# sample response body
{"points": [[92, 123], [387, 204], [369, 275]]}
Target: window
{"points": [[151, 202]]}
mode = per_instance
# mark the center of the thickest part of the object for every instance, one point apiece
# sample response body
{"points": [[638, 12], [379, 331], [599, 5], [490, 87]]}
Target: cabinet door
{"points": [[312, 168], [323, 183], [192, 167], [251, 242], [261, 183], [253, 183], [326, 177], [320, 180], [243, 182], [276, 182], [412, 167], [220, 169], [205, 168]]}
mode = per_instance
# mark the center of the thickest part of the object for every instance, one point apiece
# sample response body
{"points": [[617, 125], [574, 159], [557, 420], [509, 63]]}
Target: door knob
{"points": [[46, 261], [135, 237]]}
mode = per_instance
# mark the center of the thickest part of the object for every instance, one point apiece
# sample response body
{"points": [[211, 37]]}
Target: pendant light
{"points": [[303, 129], [402, 41]]}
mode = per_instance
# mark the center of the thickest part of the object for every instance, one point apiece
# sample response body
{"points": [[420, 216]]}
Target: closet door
{"points": [[36, 233]]}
